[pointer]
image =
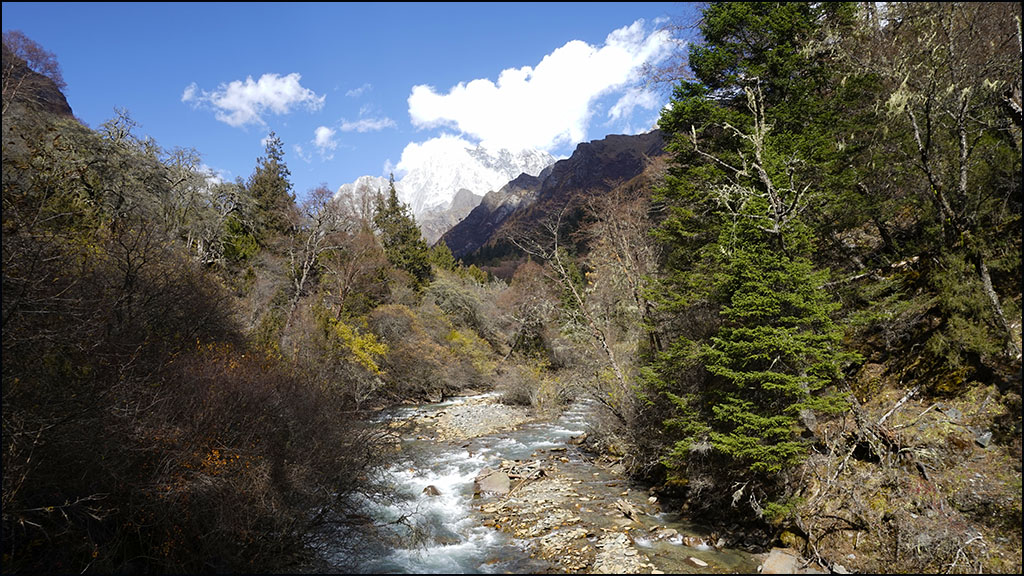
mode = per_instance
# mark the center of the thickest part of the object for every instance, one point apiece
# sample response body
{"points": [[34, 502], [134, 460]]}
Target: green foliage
{"points": [[954, 155], [750, 159], [775, 355], [475, 273], [240, 245], [401, 238], [441, 257], [272, 191], [836, 185], [780, 512]]}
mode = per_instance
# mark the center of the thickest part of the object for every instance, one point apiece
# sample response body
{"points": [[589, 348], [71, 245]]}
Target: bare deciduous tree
{"points": [[325, 228], [546, 245]]}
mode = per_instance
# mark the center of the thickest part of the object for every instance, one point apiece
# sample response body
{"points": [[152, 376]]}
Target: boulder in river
{"points": [[491, 482], [431, 491]]}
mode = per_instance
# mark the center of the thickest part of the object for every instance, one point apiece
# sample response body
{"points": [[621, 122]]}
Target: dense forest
{"points": [[804, 320]]}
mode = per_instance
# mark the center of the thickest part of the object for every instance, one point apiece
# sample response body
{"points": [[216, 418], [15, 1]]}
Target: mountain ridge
{"points": [[594, 167]]}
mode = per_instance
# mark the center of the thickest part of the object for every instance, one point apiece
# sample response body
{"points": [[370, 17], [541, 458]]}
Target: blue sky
{"points": [[356, 88]]}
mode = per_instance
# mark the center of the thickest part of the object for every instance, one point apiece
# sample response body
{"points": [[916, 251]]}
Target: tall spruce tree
{"points": [[401, 237], [757, 348], [271, 190]]}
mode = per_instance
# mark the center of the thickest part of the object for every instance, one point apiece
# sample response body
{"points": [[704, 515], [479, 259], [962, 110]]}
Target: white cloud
{"points": [[357, 92], [632, 99], [240, 103], [323, 139], [550, 104], [212, 175], [367, 125], [302, 154], [417, 154]]}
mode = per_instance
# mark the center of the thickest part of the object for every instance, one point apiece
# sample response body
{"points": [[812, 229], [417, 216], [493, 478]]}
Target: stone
{"points": [[617, 556], [786, 561], [627, 509], [698, 562], [984, 438], [491, 482], [665, 533], [953, 414], [431, 491], [780, 561], [809, 421]]}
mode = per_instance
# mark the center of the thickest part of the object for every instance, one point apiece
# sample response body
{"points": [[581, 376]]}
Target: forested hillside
{"points": [[838, 304], [802, 323], [188, 363]]}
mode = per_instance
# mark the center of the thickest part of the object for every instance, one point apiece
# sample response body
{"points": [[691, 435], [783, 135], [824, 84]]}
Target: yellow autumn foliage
{"points": [[363, 347]]}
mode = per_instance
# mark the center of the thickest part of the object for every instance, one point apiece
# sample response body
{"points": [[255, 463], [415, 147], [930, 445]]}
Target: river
{"points": [[447, 533]]}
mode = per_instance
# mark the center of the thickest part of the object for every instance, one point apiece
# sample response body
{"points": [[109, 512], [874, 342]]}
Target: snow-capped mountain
{"points": [[438, 169], [366, 185]]}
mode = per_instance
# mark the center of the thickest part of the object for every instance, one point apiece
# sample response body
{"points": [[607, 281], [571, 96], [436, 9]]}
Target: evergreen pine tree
{"points": [[401, 237], [272, 192], [763, 350]]}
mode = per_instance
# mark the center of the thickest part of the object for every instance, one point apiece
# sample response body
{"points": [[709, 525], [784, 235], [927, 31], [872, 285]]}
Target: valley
{"points": [[770, 322]]}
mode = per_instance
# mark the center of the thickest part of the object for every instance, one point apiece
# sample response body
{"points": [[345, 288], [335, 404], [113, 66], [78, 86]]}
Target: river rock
{"points": [[663, 532], [491, 482], [627, 509], [431, 491], [617, 556], [786, 561]]}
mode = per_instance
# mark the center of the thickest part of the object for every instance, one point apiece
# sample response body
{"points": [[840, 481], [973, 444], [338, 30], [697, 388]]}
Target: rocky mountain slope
{"points": [[594, 167]]}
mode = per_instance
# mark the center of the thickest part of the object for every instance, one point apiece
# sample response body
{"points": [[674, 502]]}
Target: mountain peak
{"points": [[438, 170], [443, 167]]}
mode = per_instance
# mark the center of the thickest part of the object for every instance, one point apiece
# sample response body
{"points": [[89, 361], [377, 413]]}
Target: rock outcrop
{"points": [[25, 86]]}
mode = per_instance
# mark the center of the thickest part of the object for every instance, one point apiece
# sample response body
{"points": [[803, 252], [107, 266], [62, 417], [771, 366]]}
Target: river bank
{"points": [[570, 509]]}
